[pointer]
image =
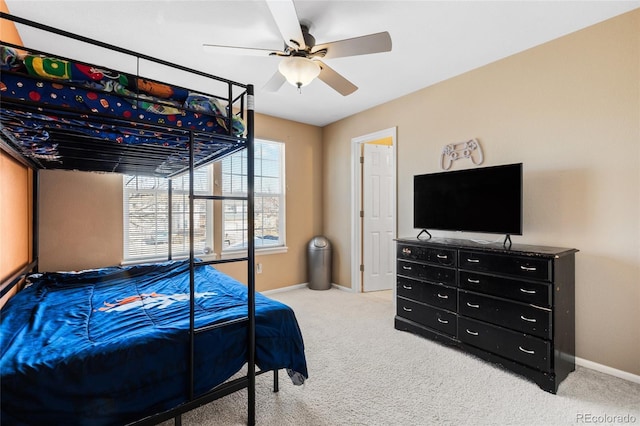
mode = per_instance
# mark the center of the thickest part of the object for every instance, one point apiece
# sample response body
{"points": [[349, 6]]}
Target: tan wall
{"points": [[80, 220], [570, 111], [81, 213]]}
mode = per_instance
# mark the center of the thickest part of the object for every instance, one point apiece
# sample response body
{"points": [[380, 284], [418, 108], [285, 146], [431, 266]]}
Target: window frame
{"points": [[281, 246], [209, 241]]}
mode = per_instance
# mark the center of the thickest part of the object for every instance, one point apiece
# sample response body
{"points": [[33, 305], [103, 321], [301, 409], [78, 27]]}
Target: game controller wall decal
{"points": [[455, 151]]}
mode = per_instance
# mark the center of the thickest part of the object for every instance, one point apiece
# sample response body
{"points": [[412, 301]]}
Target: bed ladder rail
{"points": [[219, 261], [16, 278], [218, 392], [220, 325], [249, 381]]}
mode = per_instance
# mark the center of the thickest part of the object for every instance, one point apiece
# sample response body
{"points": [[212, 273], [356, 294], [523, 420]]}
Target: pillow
{"points": [[146, 102], [59, 69], [9, 58], [41, 66], [205, 104], [160, 90], [237, 124]]}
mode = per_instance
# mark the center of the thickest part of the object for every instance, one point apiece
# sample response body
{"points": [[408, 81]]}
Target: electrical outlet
{"points": [[258, 268]]}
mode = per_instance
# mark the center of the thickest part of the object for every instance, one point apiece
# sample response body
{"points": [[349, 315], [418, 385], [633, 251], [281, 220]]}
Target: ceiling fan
{"points": [[301, 56]]}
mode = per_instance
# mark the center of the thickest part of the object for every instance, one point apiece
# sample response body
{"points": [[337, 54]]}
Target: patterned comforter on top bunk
{"points": [[132, 110]]}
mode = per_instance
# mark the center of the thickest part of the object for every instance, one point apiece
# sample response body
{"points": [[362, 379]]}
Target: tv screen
{"points": [[486, 199]]}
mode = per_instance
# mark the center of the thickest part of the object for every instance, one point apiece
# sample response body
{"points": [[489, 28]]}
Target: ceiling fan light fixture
{"points": [[298, 70]]}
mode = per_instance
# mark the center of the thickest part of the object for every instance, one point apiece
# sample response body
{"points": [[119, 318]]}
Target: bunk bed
{"points": [[141, 343]]}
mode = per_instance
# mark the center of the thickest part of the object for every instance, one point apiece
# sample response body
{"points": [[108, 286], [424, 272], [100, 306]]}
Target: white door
{"points": [[378, 217]]}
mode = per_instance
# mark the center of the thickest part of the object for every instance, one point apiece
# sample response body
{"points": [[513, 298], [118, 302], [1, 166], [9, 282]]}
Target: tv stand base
{"points": [[424, 231]]}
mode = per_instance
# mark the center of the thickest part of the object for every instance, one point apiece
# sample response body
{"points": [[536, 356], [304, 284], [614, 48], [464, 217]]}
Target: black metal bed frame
{"points": [[137, 155]]}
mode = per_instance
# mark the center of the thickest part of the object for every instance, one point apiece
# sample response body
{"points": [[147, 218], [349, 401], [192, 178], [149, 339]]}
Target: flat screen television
{"points": [[484, 199]]}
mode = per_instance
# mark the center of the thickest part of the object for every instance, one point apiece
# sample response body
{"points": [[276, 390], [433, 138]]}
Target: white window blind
{"points": [[146, 213], [269, 197]]}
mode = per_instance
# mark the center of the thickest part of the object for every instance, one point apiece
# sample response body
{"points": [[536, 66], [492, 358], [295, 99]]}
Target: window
{"points": [[269, 202], [146, 205]]}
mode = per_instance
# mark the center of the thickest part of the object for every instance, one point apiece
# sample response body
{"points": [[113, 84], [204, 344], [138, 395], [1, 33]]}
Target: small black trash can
{"points": [[319, 263]]}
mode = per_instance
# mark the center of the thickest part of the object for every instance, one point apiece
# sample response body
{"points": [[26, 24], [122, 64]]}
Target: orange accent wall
{"points": [[15, 195], [8, 30], [15, 215]]}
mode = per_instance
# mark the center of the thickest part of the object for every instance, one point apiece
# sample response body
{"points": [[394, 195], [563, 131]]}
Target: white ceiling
{"points": [[432, 40]]}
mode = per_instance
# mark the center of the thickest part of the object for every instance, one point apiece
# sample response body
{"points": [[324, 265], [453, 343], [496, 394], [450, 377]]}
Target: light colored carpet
{"points": [[364, 372]]}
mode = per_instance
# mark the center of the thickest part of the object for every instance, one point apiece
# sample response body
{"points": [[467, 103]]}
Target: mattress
{"points": [[111, 345]]}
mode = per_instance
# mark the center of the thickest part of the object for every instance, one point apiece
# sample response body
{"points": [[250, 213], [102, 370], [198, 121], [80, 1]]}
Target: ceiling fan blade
{"points": [[236, 50], [372, 43], [284, 13], [275, 82], [335, 80]]}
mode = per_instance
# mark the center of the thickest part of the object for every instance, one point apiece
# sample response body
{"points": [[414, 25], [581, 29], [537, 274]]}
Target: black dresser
{"points": [[513, 306]]}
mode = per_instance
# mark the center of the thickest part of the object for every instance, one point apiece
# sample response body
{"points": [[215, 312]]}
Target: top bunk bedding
{"points": [[109, 346], [66, 114]]}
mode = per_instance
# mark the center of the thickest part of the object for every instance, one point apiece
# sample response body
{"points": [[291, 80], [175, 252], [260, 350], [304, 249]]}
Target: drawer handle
{"points": [[406, 250], [440, 320], [474, 333], [522, 317], [526, 351], [407, 287], [473, 260], [442, 256], [443, 296], [473, 281], [528, 291], [528, 268], [406, 268], [407, 309], [471, 305]]}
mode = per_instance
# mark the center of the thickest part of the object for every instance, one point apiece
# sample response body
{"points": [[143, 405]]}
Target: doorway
{"points": [[373, 211]]}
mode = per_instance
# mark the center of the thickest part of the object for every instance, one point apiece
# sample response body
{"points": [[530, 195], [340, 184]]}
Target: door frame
{"points": [[356, 196]]}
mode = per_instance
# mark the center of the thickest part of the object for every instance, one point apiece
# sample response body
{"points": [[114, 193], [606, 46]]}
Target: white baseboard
{"points": [[608, 370], [297, 286], [283, 289], [341, 287]]}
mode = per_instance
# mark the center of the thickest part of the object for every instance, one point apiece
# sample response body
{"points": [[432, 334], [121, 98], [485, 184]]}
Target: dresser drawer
{"points": [[435, 274], [518, 266], [521, 348], [535, 293], [431, 294], [517, 316], [439, 256], [428, 316]]}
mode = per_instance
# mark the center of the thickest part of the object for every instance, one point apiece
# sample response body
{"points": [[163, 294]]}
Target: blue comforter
{"points": [[108, 346]]}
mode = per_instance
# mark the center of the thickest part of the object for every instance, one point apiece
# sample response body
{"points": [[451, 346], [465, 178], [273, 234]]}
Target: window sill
{"points": [[259, 252], [164, 259], [231, 254]]}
